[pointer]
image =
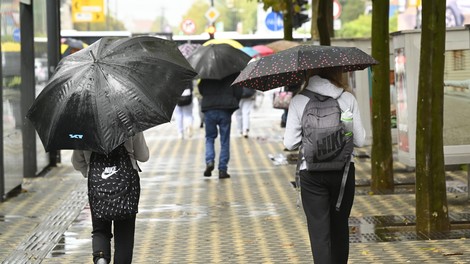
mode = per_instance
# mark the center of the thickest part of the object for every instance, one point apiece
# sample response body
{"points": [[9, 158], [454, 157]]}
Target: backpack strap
{"points": [[343, 184], [313, 95]]}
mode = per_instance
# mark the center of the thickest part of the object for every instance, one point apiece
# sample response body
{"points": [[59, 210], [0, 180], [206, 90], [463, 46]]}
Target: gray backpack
{"points": [[326, 144]]}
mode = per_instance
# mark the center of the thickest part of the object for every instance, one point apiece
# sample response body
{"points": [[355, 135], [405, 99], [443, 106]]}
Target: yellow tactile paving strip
{"points": [[250, 218]]}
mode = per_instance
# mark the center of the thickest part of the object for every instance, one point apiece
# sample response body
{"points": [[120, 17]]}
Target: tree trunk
{"points": [[325, 22], [314, 26], [287, 19], [431, 198], [382, 157]]}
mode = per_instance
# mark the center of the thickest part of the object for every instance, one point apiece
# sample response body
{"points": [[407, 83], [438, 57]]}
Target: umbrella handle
{"points": [[94, 61], [93, 56]]}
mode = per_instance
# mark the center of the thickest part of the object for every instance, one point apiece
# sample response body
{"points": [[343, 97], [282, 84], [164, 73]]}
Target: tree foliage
{"points": [[351, 10], [242, 11], [362, 27]]}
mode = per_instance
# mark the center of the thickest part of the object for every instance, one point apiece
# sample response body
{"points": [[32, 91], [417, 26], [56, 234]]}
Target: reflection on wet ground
{"points": [[391, 228], [10, 218]]}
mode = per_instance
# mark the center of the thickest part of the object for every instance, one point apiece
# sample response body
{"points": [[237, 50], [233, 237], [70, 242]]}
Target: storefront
{"points": [[26, 63]]}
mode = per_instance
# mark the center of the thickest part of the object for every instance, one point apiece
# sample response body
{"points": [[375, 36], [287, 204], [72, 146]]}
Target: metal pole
{"points": [[53, 52], [27, 88], [2, 160]]}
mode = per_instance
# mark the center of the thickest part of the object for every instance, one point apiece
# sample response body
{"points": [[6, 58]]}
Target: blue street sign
{"points": [[16, 35], [274, 21]]}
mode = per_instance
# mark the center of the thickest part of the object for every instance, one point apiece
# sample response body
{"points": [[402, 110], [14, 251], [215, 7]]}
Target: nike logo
{"points": [[108, 172]]}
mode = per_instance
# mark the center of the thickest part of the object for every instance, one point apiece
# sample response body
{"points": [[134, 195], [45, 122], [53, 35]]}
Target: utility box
{"points": [[360, 82], [456, 132]]}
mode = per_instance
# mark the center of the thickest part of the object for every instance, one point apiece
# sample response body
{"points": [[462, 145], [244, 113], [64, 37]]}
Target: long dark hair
{"points": [[334, 75]]}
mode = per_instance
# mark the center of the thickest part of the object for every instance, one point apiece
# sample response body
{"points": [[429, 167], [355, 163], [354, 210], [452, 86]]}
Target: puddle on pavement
{"points": [[400, 228], [69, 243], [182, 213], [278, 159], [9, 218]]}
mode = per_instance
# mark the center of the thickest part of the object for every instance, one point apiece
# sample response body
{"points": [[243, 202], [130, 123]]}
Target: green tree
{"points": [[230, 16], [196, 13], [431, 197], [362, 27], [351, 10], [381, 156]]}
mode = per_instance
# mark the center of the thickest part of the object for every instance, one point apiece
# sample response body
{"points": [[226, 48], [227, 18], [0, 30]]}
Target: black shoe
{"points": [[223, 175], [209, 169]]}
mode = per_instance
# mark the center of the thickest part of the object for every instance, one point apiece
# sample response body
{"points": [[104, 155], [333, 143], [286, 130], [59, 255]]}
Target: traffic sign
{"points": [[17, 35], [212, 14], [87, 11], [336, 9], [274, 21], [188, 26]]}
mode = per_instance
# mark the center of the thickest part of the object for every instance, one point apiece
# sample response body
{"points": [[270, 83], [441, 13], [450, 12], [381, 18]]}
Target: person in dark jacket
{"points": [[219, 101]]}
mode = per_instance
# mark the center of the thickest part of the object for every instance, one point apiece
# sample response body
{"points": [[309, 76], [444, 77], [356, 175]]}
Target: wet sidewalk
{"points": [[249, 218]]}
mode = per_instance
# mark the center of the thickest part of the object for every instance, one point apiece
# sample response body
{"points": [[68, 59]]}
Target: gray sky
{"points": [[173, 10]]}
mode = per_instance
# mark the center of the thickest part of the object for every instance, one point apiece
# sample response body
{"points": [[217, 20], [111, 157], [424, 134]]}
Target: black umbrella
{"points": [[288, 67], [216, 61], [103, 94]]}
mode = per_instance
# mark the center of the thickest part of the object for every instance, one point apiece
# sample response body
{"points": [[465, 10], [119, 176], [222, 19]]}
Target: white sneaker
{"points": [[245, 134], [101, 261], [180, 135]]}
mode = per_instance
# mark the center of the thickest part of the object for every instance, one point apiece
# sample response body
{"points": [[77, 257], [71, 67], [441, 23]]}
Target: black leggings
{"points": [[328, 229], [123, 240]]}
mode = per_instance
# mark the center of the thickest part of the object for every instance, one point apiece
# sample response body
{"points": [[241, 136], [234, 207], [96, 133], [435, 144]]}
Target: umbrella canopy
{"points": [[188, 48], [230, 42], [71, 45], [289, 67], [263, 50], [217, 61], [280, 45], [103, 94], [250, 51]]}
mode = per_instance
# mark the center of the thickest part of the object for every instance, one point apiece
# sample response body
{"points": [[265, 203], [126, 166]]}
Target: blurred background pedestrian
{"points": [[183, 113], [244, 110]]}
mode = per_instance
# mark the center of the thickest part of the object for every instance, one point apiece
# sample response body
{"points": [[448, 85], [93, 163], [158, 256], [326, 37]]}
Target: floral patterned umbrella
{"points": [[288, 67]]}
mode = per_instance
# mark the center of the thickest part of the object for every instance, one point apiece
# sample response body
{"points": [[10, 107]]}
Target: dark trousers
{"points": [[123, 239], [328, 229]]}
